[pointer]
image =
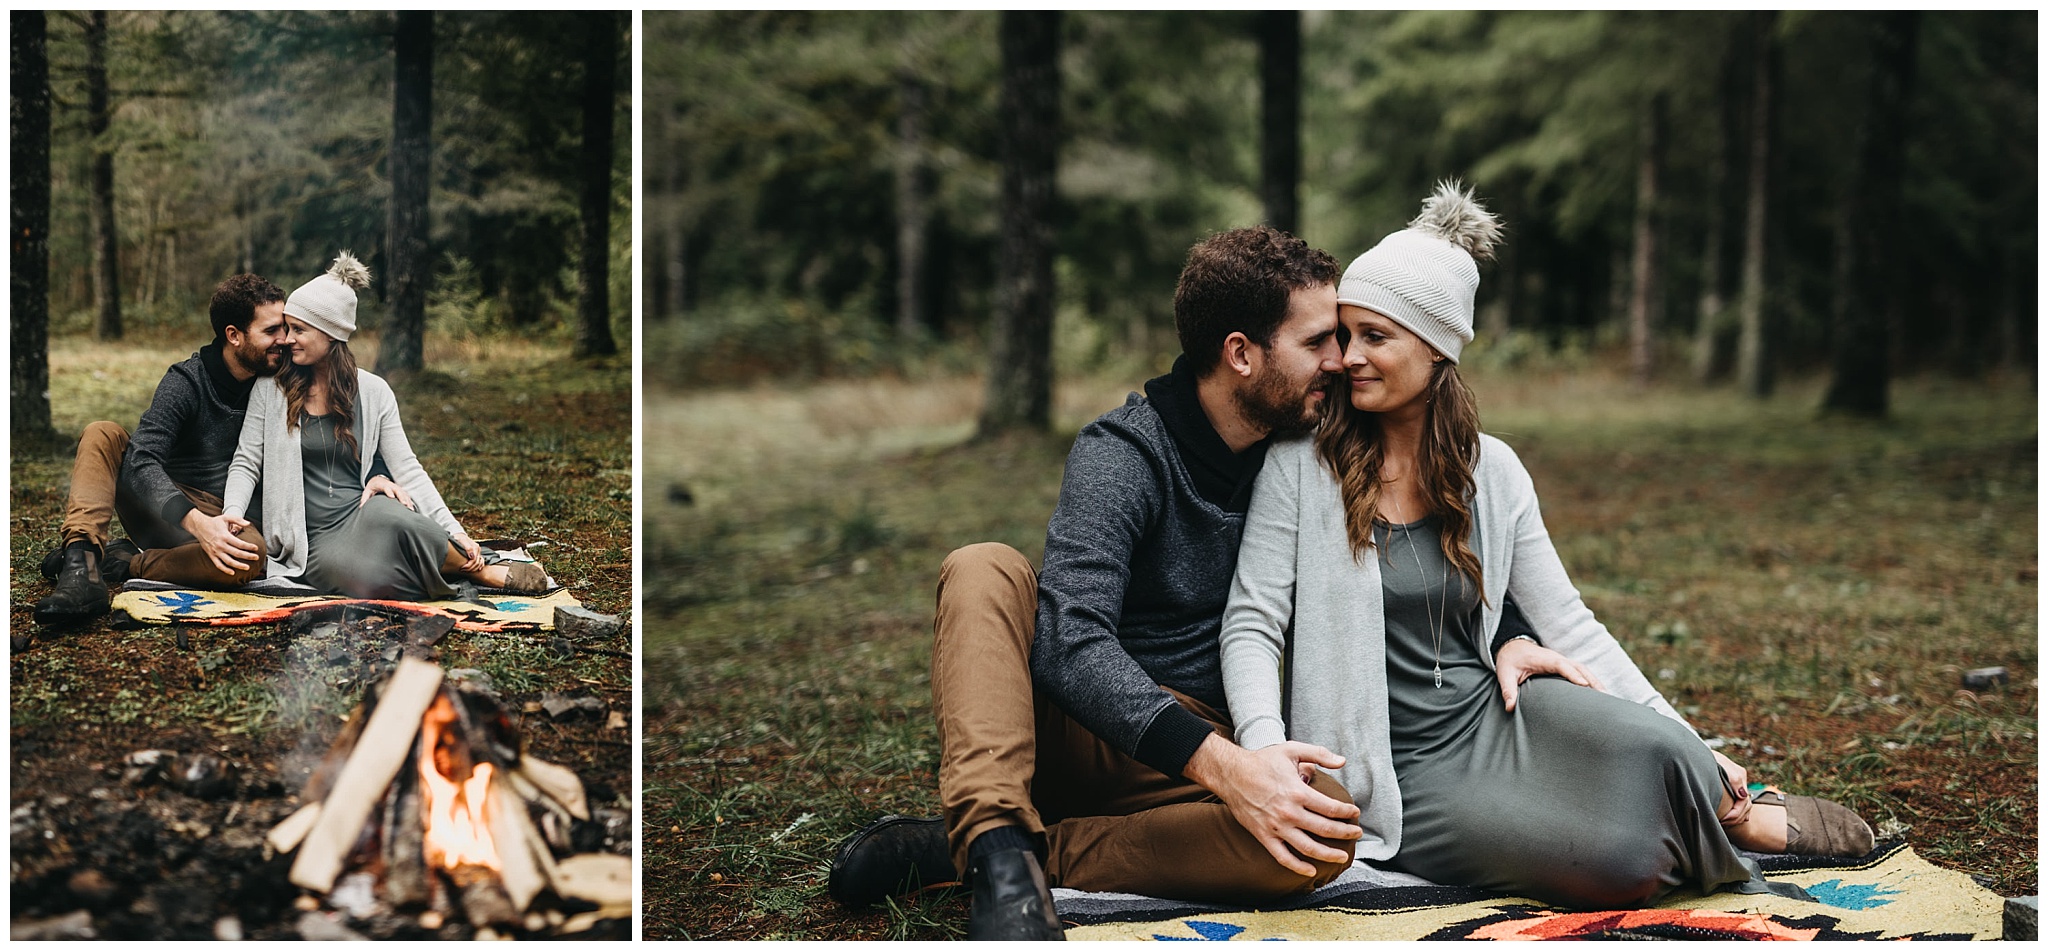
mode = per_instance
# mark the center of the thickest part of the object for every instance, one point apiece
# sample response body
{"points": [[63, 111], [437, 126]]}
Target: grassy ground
{"points": [[521, 442], [1808, 588]]}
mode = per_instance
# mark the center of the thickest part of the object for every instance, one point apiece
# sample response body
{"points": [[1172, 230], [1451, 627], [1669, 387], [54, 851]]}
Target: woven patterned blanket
{"points": [[1890, 894], [141, 603]]}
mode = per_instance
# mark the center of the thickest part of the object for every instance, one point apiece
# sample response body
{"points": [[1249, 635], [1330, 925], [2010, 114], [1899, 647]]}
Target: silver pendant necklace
{"points": [[1438, 618]]}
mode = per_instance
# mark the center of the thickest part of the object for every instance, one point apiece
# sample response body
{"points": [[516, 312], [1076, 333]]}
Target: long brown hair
{"points": [[338, 371], [1351, 445]]}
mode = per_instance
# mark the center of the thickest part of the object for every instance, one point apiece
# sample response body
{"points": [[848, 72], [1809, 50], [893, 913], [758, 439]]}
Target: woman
{"points": [[1388, 544], [315, 429]]}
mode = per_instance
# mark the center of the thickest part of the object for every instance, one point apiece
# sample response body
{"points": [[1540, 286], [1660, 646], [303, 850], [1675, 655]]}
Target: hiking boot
{"points": [[893, 855], [1011, 901], [120, 553], [81, 592]]}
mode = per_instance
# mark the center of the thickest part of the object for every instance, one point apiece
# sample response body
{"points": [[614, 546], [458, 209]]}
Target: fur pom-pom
{"points": [[350, 271], [1455, 216]]}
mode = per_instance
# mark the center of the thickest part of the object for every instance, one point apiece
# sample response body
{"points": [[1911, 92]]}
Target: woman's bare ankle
{"points": [[1763, 831]]}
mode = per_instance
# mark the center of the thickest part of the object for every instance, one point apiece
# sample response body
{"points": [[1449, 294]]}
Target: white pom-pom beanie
{"points": [[1424, 277], [328, 302]]}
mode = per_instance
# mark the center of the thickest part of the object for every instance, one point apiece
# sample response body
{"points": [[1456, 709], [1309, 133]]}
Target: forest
{"points": [[453, 153], [1766, 312], [1724, 197]]}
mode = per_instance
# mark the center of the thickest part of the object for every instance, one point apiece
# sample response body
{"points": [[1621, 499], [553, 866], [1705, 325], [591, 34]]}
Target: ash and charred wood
{"points": [[405, 859], [323, 776], [428, 630], [486, 728], [483, 898], [376, 759]]}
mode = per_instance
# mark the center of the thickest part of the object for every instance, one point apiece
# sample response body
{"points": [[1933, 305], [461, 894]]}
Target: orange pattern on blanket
{"points": [[1552, 926], [275, 615]]}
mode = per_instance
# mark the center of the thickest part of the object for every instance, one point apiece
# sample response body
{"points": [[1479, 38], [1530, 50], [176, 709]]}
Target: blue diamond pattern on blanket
{"points": [[1853, 897], [1207, 931], [183, 602], [511, 606]]}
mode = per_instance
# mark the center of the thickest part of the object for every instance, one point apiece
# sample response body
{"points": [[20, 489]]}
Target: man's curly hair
{"points": [[1238, 281], [235, 302]]}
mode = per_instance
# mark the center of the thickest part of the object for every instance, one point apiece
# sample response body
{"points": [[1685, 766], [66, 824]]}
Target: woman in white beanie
{"points": [[310, 437], [1375, 560]]}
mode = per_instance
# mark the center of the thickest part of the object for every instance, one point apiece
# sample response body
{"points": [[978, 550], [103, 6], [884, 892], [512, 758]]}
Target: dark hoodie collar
{"points": [[236, 392], [1221, 477]]}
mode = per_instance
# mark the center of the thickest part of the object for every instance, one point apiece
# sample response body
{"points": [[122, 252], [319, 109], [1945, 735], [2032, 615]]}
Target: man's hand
{"points": [[1738, 779], [1521, 659], [379, 485], [1268, 793], [219, 537], [470, 550]]}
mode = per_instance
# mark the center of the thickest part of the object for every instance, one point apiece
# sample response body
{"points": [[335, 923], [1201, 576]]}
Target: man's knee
{"points": [[254, 570], [987, 562], [104, 436], [1273, 881]]}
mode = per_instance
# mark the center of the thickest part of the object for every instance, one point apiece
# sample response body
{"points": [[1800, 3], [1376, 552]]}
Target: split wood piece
{"points": [[338, 752], [386, 739], [405, 832], [513, 835], [289, 833], [600, 878], [558, 782]]}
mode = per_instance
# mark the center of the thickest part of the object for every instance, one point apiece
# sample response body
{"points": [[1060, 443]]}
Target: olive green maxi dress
{"points": [[378, 550], [1577, 798]]}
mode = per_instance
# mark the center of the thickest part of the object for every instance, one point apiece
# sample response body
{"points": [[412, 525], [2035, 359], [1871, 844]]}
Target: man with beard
{"points": [[1083, 733], [165, 481]]}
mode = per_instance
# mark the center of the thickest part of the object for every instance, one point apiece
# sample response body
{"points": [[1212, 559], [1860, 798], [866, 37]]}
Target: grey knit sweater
{"points": [[1138, 560], [187, 436]]}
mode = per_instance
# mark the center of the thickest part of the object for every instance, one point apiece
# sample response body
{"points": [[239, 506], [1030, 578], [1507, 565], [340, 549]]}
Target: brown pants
{"points": [[170, 554], [1009, 756]]}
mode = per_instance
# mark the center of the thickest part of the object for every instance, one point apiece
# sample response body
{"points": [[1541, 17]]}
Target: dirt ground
{"points": [[523, 445]]}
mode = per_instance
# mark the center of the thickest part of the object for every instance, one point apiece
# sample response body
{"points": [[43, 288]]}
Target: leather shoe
{"points": [[81, 592], [1011, 901], [893, 855], [120, 552]]}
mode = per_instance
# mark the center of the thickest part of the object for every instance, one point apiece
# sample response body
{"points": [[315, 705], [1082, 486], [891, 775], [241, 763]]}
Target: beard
{"points": [[1278, 406], [259, 360]]}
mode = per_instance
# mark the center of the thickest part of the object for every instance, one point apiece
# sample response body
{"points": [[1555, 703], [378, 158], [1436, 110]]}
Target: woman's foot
{"points": [[1801, 825], [518, 577]]}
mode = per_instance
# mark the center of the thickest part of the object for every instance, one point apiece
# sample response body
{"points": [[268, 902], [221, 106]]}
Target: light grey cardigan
{"points": [[267, 446], [1295, 567]]}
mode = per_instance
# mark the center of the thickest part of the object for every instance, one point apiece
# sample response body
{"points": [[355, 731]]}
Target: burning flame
{"points": [[457, 833]]}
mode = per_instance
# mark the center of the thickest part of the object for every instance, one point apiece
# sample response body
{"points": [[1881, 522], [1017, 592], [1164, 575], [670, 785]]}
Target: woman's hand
{"points": [[379, 485], [470, 549], [1521, 659], [1738, 780]]}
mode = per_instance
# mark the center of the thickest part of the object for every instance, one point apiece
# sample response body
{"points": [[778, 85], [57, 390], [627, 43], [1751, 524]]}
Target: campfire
{"points": [[426, 800]]}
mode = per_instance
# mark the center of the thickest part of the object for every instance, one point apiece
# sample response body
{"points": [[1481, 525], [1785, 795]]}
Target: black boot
{"points": [[1011, 901], [893, 855], [120, 552], [81, 592]]}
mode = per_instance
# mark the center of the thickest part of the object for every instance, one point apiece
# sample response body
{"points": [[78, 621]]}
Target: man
{"points": [[166, 480], [1081, 710]]}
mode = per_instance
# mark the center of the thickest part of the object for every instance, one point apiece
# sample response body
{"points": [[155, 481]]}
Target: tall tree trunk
{"points": [[1280, 116], [28, 195], [913, 211], [106, 240], [1754, 349], [411, 266], [1713, 350], [1646, 277], [600, 70], [1868, 292], [1020, 345]]}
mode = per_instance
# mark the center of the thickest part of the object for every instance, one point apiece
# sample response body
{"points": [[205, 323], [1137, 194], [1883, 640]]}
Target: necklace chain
{"points": [[1441, 616]]}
